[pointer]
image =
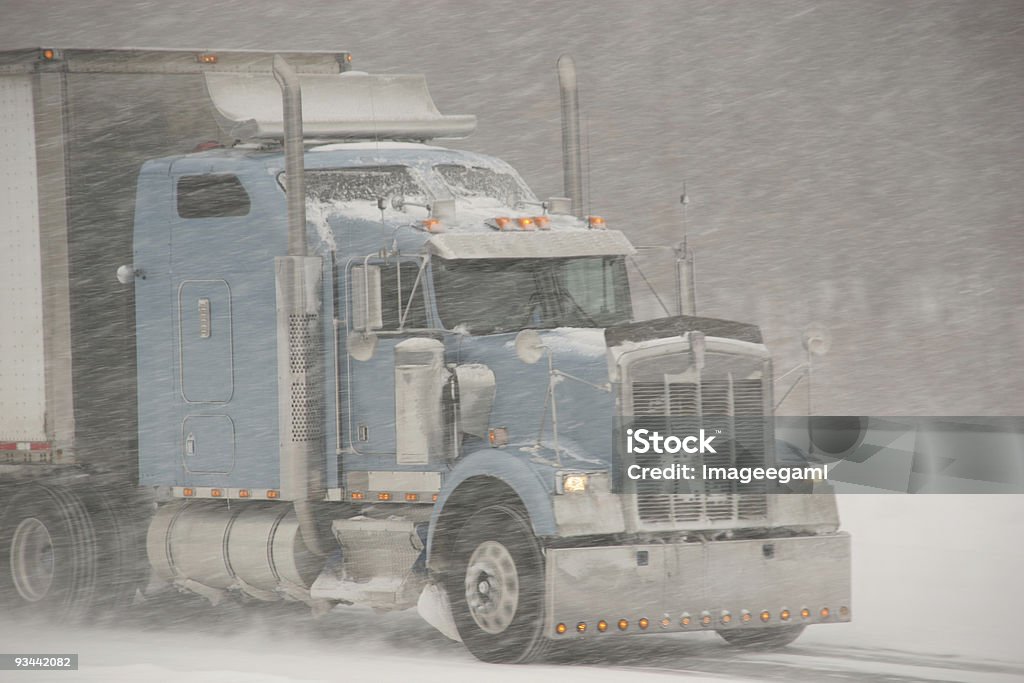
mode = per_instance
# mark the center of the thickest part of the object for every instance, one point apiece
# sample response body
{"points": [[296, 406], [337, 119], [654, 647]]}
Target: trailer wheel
{"points": [[47, 547], [763, 639], [496, 586]]}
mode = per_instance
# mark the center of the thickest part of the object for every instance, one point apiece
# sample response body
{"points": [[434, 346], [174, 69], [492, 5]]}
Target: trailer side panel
{"points": [[22, 358]]}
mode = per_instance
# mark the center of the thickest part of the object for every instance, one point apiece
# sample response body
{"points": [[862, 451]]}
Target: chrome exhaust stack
{"points": [[571, 154], [300, 365], [294, 162]]}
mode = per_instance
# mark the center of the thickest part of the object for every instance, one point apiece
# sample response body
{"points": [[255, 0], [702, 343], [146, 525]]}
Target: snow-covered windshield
{"points": [[488, 296], [362, 183], [470, 182]]}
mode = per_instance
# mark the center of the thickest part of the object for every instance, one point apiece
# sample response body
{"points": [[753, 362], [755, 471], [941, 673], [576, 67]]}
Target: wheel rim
{"points": [[32, 563], [492, 587]]}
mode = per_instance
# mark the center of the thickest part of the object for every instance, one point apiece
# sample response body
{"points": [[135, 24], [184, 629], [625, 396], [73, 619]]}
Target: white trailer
{"points": [[75, 128]]}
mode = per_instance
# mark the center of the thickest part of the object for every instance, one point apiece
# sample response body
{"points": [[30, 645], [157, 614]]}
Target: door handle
{"points": [[204, 319]]}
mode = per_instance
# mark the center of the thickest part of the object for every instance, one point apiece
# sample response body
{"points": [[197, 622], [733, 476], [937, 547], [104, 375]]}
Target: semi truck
{"points": [[265, 340]]}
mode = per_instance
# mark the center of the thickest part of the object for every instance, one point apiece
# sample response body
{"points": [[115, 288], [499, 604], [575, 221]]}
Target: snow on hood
{"points": [[585, 342]]}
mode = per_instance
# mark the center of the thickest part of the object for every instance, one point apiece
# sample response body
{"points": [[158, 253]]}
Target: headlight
{"points": [[573, 482]]}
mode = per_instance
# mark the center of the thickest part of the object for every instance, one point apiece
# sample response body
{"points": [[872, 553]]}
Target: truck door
{"points": [[371, 383], [207, 205]]}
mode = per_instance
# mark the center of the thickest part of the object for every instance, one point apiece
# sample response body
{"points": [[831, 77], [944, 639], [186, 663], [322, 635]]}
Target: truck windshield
{"points": [[473, 181], [489, 296], [363, 183]]}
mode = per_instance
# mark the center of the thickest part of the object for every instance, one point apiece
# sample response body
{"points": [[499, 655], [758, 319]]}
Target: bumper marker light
{"points": [[581, 627], [187, 493], [824, 612], [623, 624], [784, 615], [685, 620], [746, 616], [705, 619], [273, 494], [665, 621], [525, 223], [411, 497], [560, 629], [805, 613], [726, 618], [602, 626], [384, 496], [844, 611], [215, 493], [766, 616], [643, 623], [358, 495]]}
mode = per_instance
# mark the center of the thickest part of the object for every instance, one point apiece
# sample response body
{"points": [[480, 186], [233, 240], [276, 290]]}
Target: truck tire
{"points": [[48, 548], [120, 552], [763, 639], [496, 586]]}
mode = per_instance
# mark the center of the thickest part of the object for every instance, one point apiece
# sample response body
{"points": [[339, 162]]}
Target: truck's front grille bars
{"points": [[736, 406]]}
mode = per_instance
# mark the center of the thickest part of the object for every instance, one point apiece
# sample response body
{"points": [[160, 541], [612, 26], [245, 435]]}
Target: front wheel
{"points": [[763, 639], [496, 586]]}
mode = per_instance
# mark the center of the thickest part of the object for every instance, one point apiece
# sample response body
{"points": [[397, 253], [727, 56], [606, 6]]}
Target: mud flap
{"points": [[433, 607]]}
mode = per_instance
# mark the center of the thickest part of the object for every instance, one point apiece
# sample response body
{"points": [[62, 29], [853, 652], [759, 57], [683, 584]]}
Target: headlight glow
{"points": [[575, 482]]}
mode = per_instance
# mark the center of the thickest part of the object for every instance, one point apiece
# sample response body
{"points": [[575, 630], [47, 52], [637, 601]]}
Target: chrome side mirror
{"points": [[367, 314], [817, 339], [529, 346]]}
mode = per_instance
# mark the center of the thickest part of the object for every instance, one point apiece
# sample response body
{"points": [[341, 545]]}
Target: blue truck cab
{"points": [[417, 405]]}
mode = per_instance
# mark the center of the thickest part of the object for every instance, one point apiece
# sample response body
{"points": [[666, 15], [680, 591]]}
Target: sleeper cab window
{"points": [[212, 195]]}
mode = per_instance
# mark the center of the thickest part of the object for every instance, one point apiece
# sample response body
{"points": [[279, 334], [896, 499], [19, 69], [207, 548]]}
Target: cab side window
{"points": [[212, 195]]}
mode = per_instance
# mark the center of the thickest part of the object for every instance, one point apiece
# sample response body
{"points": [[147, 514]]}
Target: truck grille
{"points": [[734, 405]]}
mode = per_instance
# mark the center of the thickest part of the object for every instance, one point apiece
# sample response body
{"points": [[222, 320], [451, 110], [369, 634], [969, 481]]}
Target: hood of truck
{"points": [[584, 404]]}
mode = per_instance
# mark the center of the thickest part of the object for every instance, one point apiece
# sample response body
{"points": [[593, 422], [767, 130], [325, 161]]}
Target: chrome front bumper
{"points": [[716, 585]]}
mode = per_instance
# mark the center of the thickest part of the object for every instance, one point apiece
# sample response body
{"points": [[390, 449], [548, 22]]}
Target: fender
{"points": [[515, 470]]}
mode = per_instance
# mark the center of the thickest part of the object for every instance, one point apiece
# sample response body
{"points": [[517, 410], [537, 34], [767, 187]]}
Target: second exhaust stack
{"points": [[571, 157]]}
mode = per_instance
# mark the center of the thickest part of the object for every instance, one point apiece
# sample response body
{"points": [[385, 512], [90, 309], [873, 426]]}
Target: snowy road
{"points": [[362, 646], [937, 596]]}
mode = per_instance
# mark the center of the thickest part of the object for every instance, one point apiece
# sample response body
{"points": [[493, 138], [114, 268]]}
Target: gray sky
{"points": [[857, 164]]}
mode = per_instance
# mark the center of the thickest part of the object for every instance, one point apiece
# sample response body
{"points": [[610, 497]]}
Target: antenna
{"points": [[686, 279], [586, 152], [684, 199]]}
